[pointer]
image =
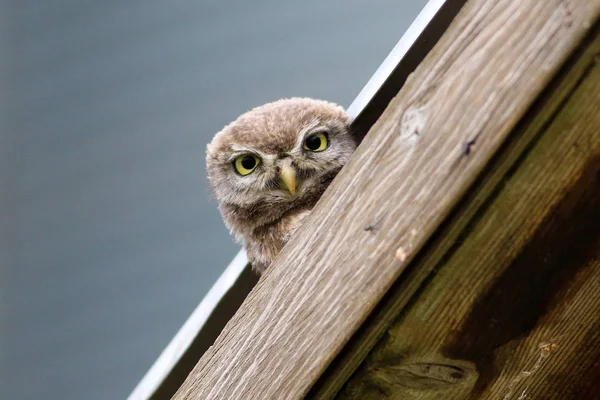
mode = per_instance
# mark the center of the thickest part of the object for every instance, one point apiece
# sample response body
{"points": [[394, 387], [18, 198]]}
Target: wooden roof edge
{"points": [[429, 146], [200, 330]]}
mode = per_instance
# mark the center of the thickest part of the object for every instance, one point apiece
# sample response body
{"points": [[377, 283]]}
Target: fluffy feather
{"points": [[257, 208]]}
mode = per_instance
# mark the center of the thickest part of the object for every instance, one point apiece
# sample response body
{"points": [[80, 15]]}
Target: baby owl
{"points": [[269, 167]]}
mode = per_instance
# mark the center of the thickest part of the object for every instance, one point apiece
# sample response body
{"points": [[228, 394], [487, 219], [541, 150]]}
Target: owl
{"points": [[269, 167]]}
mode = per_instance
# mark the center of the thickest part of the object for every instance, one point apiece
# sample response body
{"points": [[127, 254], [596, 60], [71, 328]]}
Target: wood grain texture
{"points": [[436, 252], [413, 167], [513, 309]]}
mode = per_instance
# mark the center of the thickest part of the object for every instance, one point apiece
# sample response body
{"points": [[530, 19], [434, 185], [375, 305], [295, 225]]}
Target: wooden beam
{"points": [[410, 172], [515, 297], [227, 294]]}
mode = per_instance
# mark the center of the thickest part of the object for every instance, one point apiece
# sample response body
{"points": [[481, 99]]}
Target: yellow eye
{"points": [[316, 142], [246, 164]]}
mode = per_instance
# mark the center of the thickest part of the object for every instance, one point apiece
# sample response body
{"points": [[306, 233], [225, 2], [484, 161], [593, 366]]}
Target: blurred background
{"points": [[108, 235]]}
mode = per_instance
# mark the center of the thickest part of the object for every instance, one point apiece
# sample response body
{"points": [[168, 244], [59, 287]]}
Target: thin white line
{"points": [[187, 333], [393, 59]]}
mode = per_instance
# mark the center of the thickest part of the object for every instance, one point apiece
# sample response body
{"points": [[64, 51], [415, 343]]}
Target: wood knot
{"points": [[422, 376], [412, 123]]}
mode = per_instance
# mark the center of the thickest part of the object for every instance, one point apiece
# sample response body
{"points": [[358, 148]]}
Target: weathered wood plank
{"points": [[513, 309], [185, 349], [436, 252], [410, 171]]}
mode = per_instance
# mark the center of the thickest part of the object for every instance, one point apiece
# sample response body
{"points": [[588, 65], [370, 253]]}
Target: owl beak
{"points": [[288, 177]]}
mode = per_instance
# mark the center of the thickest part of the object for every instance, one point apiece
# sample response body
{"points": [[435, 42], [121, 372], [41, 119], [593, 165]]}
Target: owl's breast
{"points": [[265, 242]]}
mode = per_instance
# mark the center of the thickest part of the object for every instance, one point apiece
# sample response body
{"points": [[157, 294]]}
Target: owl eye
{"points": [[246, 164], [316, 142]]}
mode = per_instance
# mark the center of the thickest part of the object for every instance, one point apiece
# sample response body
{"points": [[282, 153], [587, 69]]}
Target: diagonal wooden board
{"points": [[510, 304], [414, 165], [226, 295]]}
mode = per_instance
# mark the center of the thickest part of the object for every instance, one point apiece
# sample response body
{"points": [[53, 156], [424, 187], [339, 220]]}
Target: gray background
{"points": [[108, 236]]}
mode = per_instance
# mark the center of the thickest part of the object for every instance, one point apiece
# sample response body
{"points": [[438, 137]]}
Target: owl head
{"points": [[276, 158]]}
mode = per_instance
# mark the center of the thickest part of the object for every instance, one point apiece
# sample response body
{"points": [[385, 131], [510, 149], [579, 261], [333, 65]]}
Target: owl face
{"points": [[277, 157]]}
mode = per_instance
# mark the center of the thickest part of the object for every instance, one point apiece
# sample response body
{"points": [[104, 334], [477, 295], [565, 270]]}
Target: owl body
{"points": [[269, 167]]}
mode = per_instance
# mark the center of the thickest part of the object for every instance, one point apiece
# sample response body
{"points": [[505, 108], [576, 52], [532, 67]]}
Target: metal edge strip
{"points": [[158, 374], [393, 59]]}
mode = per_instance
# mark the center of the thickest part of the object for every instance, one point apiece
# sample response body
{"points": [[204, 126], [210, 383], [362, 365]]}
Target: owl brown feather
{"points": [[264, 207]]}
